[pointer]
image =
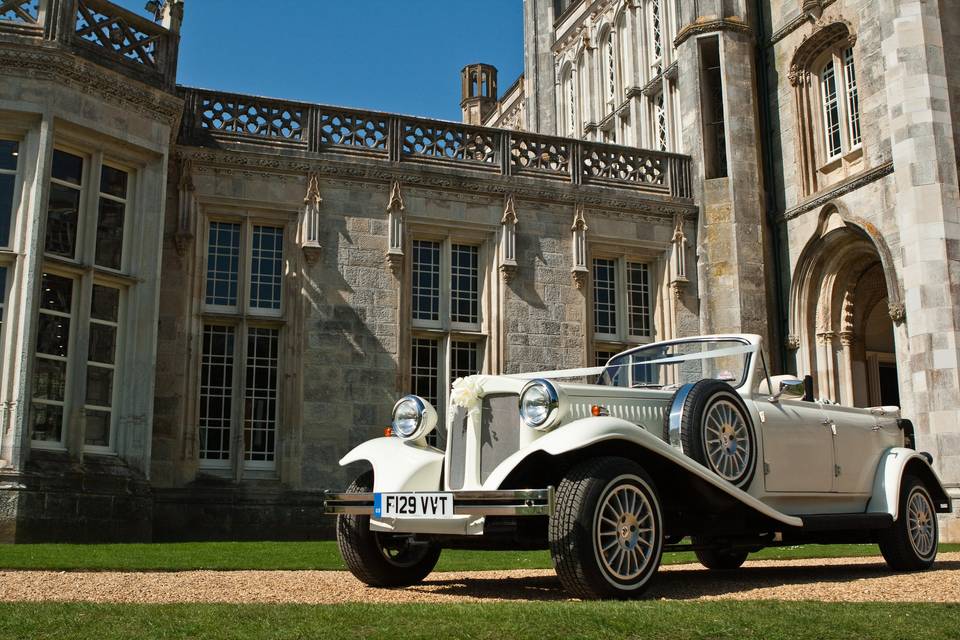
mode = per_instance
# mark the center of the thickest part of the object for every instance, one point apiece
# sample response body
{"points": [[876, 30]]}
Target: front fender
{"points": [[399, 465], [585, 432], [894, 463]]}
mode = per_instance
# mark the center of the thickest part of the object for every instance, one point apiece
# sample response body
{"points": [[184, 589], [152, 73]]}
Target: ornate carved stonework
{"points": [[710, 26], [898, 312], [187, 206], [579, 246], [792, 342], [395, 209], [91, 79], [310, 221], [508, 239]]}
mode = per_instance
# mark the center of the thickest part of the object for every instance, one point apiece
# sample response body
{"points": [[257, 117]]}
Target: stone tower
{"points": [[478, 92]]}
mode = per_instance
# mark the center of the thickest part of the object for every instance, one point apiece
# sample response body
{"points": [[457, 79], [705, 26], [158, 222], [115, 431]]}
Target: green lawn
{"points": [[644, 619], [311, 555]]}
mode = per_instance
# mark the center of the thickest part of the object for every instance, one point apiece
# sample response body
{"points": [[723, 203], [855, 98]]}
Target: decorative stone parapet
{"points": [[99, 31], [214, 118]]}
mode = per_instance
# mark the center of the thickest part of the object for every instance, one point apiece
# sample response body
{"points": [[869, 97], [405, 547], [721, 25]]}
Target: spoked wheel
{"points": [[910, 544], [382, 559], [606, 535], [726, 440], [716, 430]]}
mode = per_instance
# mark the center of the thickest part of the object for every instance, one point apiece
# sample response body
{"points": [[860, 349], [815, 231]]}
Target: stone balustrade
{"points": [[97, 30], [216, 118]]}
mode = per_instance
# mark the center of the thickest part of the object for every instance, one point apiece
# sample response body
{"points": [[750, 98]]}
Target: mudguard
{"points": [[399, 465], [583, 433], [887, 481]]}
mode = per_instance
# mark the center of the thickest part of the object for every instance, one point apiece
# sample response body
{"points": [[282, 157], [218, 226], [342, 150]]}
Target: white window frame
{"points": [[118, 354], [242, 317], [842, 65], [17, 189], [622, 338], [87, 177], [445, 331], [131, 190], [70, 371]]}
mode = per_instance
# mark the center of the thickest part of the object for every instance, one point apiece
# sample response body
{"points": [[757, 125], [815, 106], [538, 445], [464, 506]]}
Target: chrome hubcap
{"points": [[726, 440], [921, 523], [625, 532]]}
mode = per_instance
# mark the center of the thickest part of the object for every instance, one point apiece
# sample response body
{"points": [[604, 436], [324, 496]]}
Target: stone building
{"points": [[210, 297], [824, 138]]}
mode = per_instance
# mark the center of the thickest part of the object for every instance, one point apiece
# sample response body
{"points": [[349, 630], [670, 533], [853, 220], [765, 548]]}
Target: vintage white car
{"points": [[686, 444]]}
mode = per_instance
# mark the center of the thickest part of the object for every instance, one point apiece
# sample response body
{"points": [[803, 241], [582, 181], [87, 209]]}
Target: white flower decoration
{"points": [[466, 393]]}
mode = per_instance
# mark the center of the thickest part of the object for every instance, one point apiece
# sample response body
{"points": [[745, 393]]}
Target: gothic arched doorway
{"points": [[842, 316]]}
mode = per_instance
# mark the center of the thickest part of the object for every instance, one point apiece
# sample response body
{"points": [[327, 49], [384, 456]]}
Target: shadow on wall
{"points": [[350, 346]]}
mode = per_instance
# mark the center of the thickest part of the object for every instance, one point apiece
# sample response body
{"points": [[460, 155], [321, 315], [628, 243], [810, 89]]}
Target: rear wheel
{"points": [[911, 543], [606, 534], [719, 558], [382, 559]]}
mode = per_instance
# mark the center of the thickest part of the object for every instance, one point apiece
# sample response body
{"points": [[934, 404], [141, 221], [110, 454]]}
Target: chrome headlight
{"points": [[539, 404], [413, 417]]}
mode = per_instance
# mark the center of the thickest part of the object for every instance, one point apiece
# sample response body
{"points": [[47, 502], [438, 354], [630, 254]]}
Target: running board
{"points": [[846, 521]]}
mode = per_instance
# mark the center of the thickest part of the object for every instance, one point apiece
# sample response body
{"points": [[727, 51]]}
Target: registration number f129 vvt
{"points": [[413, 505]]}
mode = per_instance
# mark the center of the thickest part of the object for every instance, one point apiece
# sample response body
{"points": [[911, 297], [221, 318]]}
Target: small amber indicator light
{"points": [[595, 410], [387, 432]]}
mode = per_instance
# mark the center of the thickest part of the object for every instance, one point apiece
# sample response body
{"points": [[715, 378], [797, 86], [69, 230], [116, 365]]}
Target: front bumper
{"points": [[518, 502]]}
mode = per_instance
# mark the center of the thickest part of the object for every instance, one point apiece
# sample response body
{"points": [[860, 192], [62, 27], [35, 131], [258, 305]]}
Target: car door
{"points": [[859, 441], [797, 446]]}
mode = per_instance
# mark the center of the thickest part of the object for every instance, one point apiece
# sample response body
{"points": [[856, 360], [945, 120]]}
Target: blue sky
{"points": [[390, 55]]}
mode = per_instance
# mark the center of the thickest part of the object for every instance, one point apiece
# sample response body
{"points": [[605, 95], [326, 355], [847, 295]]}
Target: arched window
{"points": [[610, 67], [840, 104], [568, 101], [827, 99], [655, 36]]}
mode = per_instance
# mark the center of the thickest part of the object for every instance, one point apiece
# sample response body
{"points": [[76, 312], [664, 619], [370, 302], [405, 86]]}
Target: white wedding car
{"points": [[685, 444]]}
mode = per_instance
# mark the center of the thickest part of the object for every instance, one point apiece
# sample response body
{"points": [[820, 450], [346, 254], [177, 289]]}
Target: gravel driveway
{"points": [[841, 579]]}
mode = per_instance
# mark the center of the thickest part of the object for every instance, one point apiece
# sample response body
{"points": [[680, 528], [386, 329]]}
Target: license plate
{"points": [[413, 505]]}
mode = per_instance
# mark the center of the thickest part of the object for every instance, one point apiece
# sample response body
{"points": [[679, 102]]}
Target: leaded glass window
{"points": [[51, 365], [831, 110], [101, 365], [266, 269], [426, 280], [622, 305], [260, 401], [223, 264], [604, 296], [216, 392], [853, 98], [111, 214], [464, 284], [638, 298]]}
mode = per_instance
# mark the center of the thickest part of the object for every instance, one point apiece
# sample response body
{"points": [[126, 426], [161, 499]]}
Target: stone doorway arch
{"points": [[844, 306]]}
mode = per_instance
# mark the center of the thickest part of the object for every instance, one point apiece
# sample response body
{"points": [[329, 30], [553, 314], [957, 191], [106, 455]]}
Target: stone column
{"points": [[539, 66], [928, 216], [733, 279]]}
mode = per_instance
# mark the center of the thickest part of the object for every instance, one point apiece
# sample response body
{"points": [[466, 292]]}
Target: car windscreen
{"points": [[678, 363]]}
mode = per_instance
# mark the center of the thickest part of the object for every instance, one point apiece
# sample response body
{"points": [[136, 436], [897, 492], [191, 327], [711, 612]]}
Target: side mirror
{"points": [[789, 388]]}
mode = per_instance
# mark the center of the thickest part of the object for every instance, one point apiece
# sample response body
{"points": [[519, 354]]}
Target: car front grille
{"points": [[499, 432], [499, 438]]}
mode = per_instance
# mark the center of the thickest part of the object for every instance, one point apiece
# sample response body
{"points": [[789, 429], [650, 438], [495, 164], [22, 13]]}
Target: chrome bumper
{"points": [[520, 502]]}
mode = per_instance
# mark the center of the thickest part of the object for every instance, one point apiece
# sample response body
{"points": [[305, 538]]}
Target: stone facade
{"points": [[270, 306], [824, 139], [288, 269]]}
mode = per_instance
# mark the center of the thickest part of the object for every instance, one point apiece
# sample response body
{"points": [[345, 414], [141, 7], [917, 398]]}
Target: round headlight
{"points": [[538, 404], [413, 417]]}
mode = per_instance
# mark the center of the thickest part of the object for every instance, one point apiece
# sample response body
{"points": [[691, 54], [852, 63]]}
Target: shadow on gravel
{"points": [[676, 584]]}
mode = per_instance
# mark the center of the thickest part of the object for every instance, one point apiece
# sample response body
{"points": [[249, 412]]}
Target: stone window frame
{"points": [[568, 103], [622, 339], [85, 273], [11, 251], [244, 319], [825, 45], [446, 332], [842, 65]]}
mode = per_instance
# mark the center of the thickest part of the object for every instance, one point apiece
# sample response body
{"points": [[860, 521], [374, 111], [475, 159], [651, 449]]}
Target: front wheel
{"points": [[606, 534], [382, 559], [910, 544]]}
